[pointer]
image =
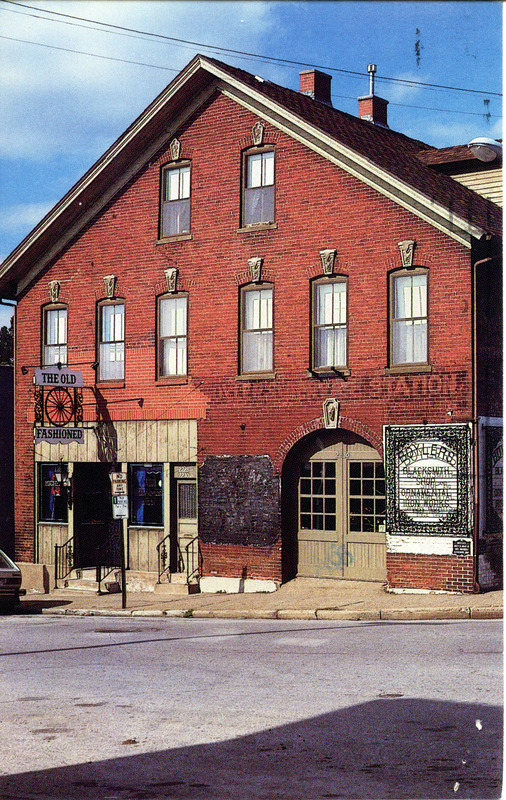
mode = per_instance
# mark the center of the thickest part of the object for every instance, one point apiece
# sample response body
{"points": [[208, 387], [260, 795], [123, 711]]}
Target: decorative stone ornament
{"points": [[407, 249], [255, 269], [54, 290], [330, 412], [110, 286], [171, 278], [175, 149], [257, 133], [328, 258]]}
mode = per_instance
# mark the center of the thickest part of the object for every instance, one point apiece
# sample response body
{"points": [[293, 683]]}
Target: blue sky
{"points": [[60, 110]]}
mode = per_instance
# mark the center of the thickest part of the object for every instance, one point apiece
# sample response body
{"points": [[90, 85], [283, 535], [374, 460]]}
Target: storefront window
{"points": [[53, 493], [146, 494]]}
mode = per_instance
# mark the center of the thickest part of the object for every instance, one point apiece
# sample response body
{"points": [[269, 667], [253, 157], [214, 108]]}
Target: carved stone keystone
{"points": [[257, 133], [171, 278], [255, 269], [110, 286], [328, 258], [175, 149], [330, 412], [407, 249], [54, 290]]}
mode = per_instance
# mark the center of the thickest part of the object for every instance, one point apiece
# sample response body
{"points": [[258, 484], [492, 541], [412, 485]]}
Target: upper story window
{"points": [[54, 350], [111, 355], [258, 187], [329, 323], [172, 335], [176, 189], [408, 318], [256, 329]]}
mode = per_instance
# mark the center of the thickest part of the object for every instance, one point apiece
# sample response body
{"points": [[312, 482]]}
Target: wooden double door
{"points": [[341, 513]]}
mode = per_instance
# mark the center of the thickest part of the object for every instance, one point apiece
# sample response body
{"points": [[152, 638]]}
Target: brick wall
{"points": [[318, 206], [438, 573], [234, 561]]}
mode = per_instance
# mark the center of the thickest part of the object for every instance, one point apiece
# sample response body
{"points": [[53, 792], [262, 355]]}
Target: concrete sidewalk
{"points": [[302, 598]]}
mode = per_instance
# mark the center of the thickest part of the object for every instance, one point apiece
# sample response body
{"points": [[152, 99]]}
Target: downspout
{"points": [[476, 463]]}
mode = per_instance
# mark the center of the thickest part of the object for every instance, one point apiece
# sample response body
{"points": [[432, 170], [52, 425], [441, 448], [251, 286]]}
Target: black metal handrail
{"points": [[63, 560], [105, 558], [163, 557], [192, 559]]}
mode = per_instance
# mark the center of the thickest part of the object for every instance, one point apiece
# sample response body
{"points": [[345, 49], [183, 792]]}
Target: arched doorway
{"points": [[333, 506]]}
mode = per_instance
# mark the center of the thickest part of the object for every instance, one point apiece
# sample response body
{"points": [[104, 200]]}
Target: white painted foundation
{"points": [[213, 585]]}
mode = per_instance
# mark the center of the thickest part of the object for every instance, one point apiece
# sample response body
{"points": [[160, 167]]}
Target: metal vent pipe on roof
{"points": [[371, 68]]}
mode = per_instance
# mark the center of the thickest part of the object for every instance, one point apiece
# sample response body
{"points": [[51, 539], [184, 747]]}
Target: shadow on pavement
{"points": [[35, 606], [385, 748]]}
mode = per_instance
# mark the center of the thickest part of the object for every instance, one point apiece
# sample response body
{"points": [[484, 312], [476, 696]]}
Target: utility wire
{"points": [[172, 69], [265, 59]]}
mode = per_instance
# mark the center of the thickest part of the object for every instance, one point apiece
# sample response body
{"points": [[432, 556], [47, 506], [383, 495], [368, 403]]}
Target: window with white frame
{"points": [[172, 335], [408, 318], [256, 329], [176, 190], [329, 323], [111, 356], [258, 182], [55, 336]]}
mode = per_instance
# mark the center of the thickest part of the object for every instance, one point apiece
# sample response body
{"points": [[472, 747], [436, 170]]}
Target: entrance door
{"points": [[92, 511], [341, 513], [184, 503]]}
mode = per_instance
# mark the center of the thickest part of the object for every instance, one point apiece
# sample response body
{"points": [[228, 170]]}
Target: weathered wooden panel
{"points": [[142, 548], [138, 441], [48, 536], [366, 560], [319, 558]]}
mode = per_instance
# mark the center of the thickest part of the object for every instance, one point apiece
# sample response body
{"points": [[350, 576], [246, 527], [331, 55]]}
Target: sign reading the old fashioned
{"points": [[58, 435], [52, 376], [428, 479]]}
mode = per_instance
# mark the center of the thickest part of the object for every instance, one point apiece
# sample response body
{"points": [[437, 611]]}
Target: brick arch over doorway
{"points": [[316, 424]]}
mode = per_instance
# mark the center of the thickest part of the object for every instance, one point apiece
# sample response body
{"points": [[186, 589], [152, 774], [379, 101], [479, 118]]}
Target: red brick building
{"points": [[282, 323]]}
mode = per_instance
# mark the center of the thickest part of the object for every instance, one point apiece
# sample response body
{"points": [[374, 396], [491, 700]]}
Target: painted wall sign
{"points": [[52, 376], [428, 479], [58, 435]]}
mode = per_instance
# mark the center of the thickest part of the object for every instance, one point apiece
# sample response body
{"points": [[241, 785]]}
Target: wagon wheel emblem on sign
{"points": [[59, 406]]}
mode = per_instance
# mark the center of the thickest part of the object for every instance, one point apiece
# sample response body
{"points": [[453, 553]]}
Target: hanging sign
{"points": [[52, 376], [55, 435]]}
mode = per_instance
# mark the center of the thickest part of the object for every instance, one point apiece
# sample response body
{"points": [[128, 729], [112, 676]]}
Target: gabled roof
{"points": [[384, 159]]}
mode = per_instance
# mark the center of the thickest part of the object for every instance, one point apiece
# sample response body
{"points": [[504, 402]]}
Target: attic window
{"points": [[175, 205], [258, 191]]}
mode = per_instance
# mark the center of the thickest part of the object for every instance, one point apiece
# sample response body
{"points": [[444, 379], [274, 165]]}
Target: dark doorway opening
{"points": [[92, 514]]}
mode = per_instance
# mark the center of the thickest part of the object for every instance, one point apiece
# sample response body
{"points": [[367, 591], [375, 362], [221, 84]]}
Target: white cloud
{"points": [[55, 101], [23, 216]]}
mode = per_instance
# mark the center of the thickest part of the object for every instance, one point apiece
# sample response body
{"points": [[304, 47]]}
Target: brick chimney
{"points": [[316, 84], [371, 107]]}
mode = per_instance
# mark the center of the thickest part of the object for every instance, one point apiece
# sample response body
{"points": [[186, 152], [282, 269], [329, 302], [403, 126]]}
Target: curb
{"points": [[385, 615]]}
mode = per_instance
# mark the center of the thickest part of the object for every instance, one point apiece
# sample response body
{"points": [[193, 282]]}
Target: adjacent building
{"points": [[277, 326]]}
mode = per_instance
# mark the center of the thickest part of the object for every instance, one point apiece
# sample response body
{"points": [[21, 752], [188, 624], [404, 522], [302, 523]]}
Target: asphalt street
{"points": [[139, 709]]}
